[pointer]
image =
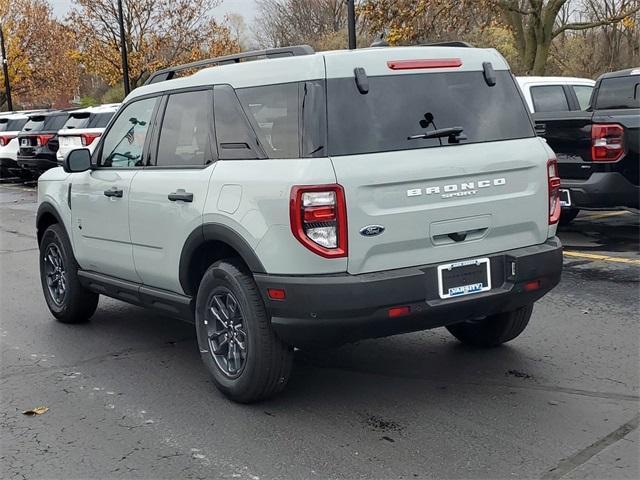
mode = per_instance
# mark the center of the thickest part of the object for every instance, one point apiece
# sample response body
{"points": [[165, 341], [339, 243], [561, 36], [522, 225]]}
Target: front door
{"points": [[100, 197]]}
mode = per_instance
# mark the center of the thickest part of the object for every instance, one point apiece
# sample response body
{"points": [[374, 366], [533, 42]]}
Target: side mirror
{"points": [[78, 160]]}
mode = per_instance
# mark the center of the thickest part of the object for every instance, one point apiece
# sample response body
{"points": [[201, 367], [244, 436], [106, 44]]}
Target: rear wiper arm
{"points": [[454, 134]]}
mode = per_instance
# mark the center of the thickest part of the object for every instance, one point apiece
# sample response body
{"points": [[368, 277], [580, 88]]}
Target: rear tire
{"points": [[493, 330], [245, 358], [66, 298], [568, 215]]}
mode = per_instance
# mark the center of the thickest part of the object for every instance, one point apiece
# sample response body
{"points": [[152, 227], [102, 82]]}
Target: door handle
{"points": [[113, 192], [180, 194]]}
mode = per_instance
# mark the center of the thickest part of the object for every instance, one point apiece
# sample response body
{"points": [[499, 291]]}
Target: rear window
{"points": [[34, 124], [77, 120], [100, 120], [620, 92], [45, 123], [12, 124], [392, 110]]}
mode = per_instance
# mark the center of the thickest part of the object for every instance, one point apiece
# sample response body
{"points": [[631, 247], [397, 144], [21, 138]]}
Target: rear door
{"points": [[436, 199], [100, 197], [168, 197]]}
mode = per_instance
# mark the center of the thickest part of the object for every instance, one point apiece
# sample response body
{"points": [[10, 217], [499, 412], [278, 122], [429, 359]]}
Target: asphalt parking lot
{"points": [[128, 397]]}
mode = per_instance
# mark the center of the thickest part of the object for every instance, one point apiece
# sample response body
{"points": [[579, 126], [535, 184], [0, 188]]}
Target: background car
{"points": [[556, 94], [10, 126], [84, 128], [38, 141]]}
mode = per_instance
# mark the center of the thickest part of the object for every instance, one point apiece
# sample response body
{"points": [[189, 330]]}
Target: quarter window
{"points": [[236, 139], [583, 93], [549, 99], [124, 143], [185, 138]]}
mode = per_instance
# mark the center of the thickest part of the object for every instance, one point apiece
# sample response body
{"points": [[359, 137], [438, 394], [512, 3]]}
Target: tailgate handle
{"points": [[458, 236]]}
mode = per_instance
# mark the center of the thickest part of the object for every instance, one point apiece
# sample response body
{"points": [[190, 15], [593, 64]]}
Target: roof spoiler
{"points": [[455, 43], [170, 73]]}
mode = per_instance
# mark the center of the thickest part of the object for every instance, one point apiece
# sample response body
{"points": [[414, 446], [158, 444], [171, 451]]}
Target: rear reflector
{"points": [[427, 63], [399, 311], [531, 286], [276, 294]]}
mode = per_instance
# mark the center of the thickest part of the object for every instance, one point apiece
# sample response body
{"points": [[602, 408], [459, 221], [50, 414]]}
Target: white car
{"points": [[84, 128], [556, 94], [10, 126]]}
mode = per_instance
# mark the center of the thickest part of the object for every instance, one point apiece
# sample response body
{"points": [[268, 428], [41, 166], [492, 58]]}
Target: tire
{"points": [[493, 330], [75, 304], [262, 368], [568, 215]]}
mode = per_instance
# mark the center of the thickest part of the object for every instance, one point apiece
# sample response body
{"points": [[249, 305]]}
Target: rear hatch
{"points": [[432, 200], [39, 134]]}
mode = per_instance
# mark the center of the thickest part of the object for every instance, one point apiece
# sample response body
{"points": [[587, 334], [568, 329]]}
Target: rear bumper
{"points": [[603, 190], [40, 163], [334, 309]]}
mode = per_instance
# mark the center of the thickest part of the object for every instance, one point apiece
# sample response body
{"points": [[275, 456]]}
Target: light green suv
{"points": [[304, 199]]}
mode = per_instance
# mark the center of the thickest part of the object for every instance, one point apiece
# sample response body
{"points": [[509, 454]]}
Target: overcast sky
{"points": [[244, 7]]}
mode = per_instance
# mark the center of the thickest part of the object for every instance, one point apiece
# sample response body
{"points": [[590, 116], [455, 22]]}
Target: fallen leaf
{"points": [[36, 411]]}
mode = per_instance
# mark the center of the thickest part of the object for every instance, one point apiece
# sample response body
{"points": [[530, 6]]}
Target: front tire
{"points": [[245, 358], [494, 330], [66, 298]]}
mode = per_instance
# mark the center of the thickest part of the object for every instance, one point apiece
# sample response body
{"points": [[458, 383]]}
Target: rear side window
{"points": [[12, 125], [583, 93], [55, 122], [185, 136], [392, 110], [236, 139], [100, 120], [620, 92], [273, 111], [549, 98]]}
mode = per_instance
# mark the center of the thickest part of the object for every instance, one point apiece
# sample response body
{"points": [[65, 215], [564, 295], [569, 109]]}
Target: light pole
{"points": [[351, 21], [5, 70], [123, 51]]}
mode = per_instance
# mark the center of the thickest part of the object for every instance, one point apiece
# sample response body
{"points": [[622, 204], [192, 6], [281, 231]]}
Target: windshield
{"points": [[398, 107], [12, 124]]}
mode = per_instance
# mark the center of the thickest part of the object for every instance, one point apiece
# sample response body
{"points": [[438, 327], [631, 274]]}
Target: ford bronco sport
{"points": [[305, 199]]}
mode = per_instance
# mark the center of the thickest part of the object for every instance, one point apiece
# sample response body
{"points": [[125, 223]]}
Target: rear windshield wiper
{"points": [[454, 134]]}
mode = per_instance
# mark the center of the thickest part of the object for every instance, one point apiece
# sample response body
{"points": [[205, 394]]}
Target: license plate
{"points": [[464, 278], [24, 142], [565, 198]]}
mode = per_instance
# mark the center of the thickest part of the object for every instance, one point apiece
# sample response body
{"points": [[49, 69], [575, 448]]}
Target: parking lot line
{"points": [[604, 258], [598, 216]]}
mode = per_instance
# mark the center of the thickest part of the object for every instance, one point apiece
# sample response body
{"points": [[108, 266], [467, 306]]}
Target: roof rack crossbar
{"points": [[454, 43], [169, 73]]}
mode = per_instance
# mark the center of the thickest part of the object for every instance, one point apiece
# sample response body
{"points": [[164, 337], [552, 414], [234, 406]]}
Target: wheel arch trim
{"points": [[47, 208]]}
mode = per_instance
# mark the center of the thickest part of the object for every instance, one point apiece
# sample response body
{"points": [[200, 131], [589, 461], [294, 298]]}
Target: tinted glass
{"points": [[185, 135], [549, 99], [123, 144], [621, 92], [34, 124], [583, 93], [236, 139], [273, 111], [12, 125], [382, 119], [77, 120], [100, 120]]}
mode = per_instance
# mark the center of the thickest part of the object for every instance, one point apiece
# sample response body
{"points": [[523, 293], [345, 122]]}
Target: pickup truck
{"points": [[598, 149]]}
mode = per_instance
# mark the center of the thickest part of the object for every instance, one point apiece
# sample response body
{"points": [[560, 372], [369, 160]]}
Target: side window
{"points": [[273, 111], [549, 99], [236, 139], [123, 144], [185, 134], [583, 92]]}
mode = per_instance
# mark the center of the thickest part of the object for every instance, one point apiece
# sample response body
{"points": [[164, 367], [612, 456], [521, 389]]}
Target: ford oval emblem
{"points": [[371, 230]]}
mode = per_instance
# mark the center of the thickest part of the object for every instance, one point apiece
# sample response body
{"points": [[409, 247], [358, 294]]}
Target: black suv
{"points": [[38, 141]]}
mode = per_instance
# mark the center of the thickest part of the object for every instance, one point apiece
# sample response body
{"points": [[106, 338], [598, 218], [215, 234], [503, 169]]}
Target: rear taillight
{"points": [[607, 142], [5, 139], [42, 140], [88, 138], [319, 219], [554, 191]]}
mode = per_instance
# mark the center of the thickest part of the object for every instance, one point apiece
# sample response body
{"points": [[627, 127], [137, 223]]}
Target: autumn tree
{"points": [[158, 33], [38, 54]]}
